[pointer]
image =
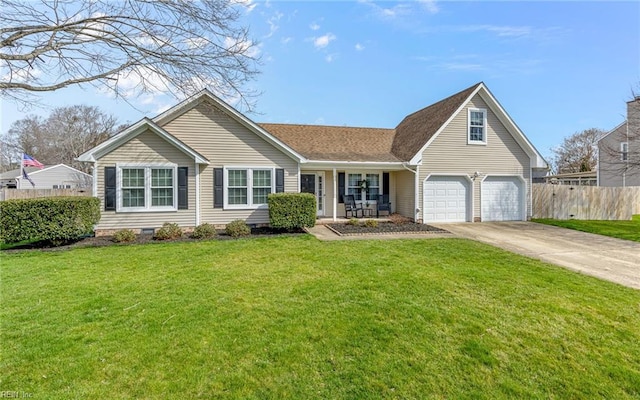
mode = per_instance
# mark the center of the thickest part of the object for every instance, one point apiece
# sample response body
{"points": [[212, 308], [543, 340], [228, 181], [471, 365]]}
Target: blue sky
{"points": [[556, 67]]}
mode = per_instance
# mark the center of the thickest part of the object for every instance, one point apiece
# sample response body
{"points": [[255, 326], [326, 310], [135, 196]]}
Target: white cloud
{"points": [[196, 42], [359, 47], [324, 40], [430, 6], [249, 5], [273, 23], [319, 121], [331, 57], [314, 26], [246, 47], [286, 40]]}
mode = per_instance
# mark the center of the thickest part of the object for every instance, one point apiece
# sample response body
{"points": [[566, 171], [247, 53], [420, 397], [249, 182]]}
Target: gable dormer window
{"points": [[624, 151], [477, 128]]}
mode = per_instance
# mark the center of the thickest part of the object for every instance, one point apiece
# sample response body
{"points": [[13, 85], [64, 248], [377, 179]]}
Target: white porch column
{"points": [[335, 195], [197, 193]]}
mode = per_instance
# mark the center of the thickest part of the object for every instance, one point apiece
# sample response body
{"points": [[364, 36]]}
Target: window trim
{"points": [[364, 192], [624, 154], [482, 142], [250, 205], [147, 187]]}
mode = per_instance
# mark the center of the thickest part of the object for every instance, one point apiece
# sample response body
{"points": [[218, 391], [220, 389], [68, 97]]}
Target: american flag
{"points": [[28, 161]]}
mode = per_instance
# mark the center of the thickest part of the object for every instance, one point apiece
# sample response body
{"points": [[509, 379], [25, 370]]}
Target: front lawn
{"points": [[295, 318], [629, 230]]}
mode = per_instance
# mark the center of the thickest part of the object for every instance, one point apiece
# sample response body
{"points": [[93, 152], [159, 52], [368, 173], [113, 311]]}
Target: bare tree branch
{"points": [[169, 45]]}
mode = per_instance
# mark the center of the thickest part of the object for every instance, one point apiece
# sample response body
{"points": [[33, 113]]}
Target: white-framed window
{"points": [[477, 126], [364, 186], [373, 181], [624, 151], [146, 187], [248, 187], [353, 185]]}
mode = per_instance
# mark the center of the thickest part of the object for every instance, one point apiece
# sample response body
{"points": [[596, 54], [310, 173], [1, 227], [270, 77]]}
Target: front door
{"points": [[314, 184]]}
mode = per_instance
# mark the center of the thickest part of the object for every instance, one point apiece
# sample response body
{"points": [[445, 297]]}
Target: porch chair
{"points": [[350, 206], [383, 205]]}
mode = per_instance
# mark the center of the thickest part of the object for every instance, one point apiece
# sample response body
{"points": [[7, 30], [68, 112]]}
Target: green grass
{"points": [[295, 318], [629, 230]]}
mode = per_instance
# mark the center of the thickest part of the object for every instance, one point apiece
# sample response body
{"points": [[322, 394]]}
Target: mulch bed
{"points": [[102, 241], [384, 228]]}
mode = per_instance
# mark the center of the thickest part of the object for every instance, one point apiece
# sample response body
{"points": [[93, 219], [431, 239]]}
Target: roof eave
{"points": [[391, 165]]}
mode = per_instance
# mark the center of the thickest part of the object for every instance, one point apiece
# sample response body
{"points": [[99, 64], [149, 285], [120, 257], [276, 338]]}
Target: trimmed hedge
{"points": [[292, 210], [53, 219]]}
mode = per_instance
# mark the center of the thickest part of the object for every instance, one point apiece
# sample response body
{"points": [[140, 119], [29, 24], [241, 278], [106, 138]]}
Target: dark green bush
{"points": [[52, 219], [168, 231], [124, 236], [204, 231], [292, 210], [237, 228]]}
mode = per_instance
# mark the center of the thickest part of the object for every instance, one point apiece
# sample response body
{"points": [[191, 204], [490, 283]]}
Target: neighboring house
{"points": [[619, 150], [460, 159], [588, 178], [59, 176]]}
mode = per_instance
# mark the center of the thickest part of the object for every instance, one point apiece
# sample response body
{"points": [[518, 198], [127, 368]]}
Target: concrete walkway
{"points": [[615, 260]]}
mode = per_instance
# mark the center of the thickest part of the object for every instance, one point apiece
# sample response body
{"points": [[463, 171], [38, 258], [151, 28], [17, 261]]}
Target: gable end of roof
{"points": [[416, 129]]}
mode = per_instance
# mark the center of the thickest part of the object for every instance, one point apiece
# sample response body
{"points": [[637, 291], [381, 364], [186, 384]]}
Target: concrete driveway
{"points": [[607, 258]]}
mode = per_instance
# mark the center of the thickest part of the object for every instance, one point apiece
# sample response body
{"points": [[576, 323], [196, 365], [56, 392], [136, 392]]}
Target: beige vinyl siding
{"points": [[227, 143], [449, 153], [146, 148], [404, 194]]}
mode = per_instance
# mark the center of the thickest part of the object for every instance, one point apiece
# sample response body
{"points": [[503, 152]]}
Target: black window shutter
{"points": [[109, 188], [385, 182], [340, 187], [218, 185], [279, 180], [183, 192]]}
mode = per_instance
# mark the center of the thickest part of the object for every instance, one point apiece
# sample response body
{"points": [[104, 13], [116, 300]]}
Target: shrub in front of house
{"points": [[237, 228], [292, 210], [52, 219], [353, 222], [204, 231], [124, 236], [371, 223], [168, 231]]}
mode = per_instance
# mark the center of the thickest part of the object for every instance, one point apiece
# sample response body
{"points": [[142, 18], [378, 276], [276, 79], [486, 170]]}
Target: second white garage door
{"points": [[502, 198], [446, 199]]}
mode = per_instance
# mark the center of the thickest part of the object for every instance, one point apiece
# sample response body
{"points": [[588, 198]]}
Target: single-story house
{"points": [[460, 159], [58, 176], [586, 178], [619, 150]]}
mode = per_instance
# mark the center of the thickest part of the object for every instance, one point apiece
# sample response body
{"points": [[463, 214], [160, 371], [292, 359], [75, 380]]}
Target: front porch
{"points": [[365, 183]]}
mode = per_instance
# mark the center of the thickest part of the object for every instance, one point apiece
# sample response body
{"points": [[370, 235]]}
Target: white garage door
{"points": [[502, 198], [446, 199]]}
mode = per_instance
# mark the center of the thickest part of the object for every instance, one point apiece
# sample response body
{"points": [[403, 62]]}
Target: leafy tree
{"points": [[133, 45], [60, 138], [577, 153]]}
